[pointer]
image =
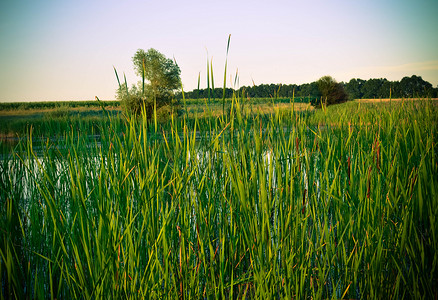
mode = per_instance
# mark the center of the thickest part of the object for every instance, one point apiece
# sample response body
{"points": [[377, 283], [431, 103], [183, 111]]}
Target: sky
{"points": [[67, 50]]}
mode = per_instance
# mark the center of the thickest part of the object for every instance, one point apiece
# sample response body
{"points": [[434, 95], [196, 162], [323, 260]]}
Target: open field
{"points": [[42, 111], [108, 104], [339, 203], [15, 121], [21, 106], [395, 100]]}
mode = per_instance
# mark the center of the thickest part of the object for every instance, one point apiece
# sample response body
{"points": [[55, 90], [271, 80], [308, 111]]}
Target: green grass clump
{"points": [[335, 203]]}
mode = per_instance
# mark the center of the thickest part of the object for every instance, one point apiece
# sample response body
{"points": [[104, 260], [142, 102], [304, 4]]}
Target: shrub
{"points": [[331, 91]]}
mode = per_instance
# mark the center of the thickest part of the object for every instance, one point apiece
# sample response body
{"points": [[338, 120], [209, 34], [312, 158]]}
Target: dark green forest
{"points": [[408, 87]]}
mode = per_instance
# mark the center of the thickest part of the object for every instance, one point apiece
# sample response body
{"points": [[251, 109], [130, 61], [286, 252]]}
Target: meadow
{"points": [[16, 118], [339, 202]]}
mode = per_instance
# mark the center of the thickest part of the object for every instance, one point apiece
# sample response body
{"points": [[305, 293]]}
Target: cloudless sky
{"points": [[65, 50]]}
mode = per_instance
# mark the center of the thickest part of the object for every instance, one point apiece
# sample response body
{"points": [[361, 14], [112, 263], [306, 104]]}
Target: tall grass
{"points": [[337, 203]]}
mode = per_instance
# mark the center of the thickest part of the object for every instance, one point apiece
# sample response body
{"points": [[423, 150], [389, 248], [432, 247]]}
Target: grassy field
{"points": [[285, 203], [17, 118], [392, 100], [22, 106]]}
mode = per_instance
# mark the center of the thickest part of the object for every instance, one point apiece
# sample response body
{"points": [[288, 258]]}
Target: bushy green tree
{"points": [[160, 79], [331, 91], [354, 88], [415, 86]]}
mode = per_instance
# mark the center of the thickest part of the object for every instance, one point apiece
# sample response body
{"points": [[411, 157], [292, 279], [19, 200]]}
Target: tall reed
{"points": [[338, 203]]}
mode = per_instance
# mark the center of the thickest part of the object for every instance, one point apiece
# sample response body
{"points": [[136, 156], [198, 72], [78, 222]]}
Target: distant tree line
{"points": [[408, 87]]}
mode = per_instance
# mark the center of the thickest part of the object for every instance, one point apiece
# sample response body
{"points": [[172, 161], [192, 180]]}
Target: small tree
{"points": [[331, 91], [160, 78]]}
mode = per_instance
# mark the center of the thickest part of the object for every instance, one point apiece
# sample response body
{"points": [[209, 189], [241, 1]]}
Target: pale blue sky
{"points": [[65, 50]]}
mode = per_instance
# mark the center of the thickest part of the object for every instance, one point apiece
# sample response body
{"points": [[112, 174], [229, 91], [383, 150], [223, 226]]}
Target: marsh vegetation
{"points": [[333, 203]]}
